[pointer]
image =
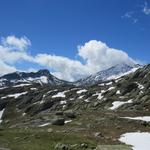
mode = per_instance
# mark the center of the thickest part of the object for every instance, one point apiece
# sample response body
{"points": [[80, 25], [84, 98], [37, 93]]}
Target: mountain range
{"points": [[45, 77], [40, 111]]}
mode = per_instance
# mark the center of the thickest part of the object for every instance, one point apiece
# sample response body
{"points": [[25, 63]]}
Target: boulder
{"points": [[128, 87], [70, 114], [58, 121], [61, 146]]}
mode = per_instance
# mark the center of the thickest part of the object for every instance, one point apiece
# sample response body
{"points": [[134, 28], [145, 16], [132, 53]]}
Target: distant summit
{"points": [[41, 77], [110, 73]]}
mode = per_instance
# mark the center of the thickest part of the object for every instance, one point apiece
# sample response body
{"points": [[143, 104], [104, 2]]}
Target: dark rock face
{"points": [[70, 114], [3, 104], [24, 75], [32, 77], [129, 87], [58, 121]]}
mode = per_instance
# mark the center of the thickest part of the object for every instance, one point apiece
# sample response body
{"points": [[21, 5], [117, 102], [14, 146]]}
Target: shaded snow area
{"points": [[59, 94], [102, 84], [33, 89], [122, 74], [44, 79], [2, 82], [140, 86], [117, 104], [118, 92], [63, 102], [42, 101], [21, 85], [81, 91], [86, 100], [16, 95], [109, 83], [41, 80], [99, 95], [80, 97], [52, 91], [68, 121], [144, 118], [111, 88], [139, 141], [1, 114], [45, 124], [118, 79], [1, 88]]}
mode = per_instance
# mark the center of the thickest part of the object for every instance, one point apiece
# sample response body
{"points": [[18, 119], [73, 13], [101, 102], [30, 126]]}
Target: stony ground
{"points": [[67, 117]]}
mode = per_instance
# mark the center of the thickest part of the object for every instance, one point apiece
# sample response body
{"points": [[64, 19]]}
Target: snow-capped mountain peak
{"points": [[110, 73], [41, 77]]}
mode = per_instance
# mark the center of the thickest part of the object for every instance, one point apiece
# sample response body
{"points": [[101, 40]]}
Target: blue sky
{"points": [[57, 27]]}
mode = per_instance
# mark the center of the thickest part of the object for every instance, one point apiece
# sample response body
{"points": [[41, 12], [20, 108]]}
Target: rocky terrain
{"points": [[40, 112]]}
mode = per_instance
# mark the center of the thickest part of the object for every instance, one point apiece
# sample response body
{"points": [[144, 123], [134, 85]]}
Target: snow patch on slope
{"points": [[144, 118], [16, 95], [122, 74], [81, 91], [139, 141], [117, 104], [22, 85], [1, 114], [59, 94]]}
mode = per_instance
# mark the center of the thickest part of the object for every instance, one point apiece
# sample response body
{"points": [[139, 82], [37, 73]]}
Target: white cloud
{"points": [[12, 49], [146, 9], [16, 43], [99, 56], [4, 68], [95, 56], [62, 67]]}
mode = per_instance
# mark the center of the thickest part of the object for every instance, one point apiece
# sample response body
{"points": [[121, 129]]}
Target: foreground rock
{"points": [[58, 121], [60, 146], [70, 114]]}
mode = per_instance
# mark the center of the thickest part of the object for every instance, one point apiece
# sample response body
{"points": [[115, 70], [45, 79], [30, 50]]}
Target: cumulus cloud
{"points": [[12, 49], [16, 43], [95, 56], [62, 67], [146, 9], [99, 56], [5, 68]]}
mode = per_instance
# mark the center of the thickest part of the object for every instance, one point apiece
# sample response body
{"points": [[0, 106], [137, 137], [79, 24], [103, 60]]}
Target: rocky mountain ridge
{"points": [[110, 73], [86, 116], [45, 77], [40, 77]]}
